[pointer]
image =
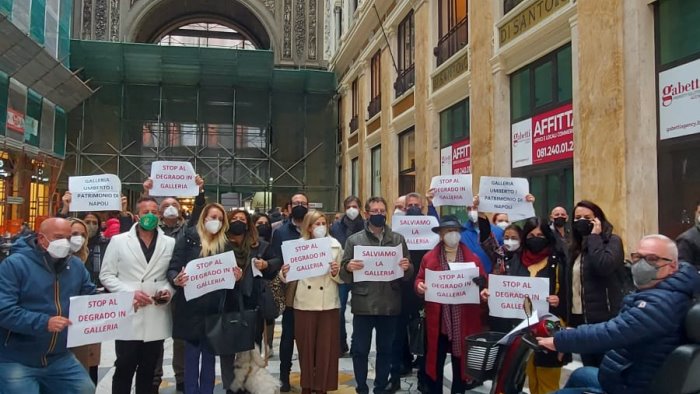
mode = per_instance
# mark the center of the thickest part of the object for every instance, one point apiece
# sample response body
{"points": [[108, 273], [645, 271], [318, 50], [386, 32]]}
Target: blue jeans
{"points": [[582, 380], [198, 381], [344, 294], [362, 341], [63, 375]]}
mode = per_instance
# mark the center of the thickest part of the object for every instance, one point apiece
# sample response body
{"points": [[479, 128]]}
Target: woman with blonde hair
{"points": [[88, 355], [316, 314], [207, 238]]}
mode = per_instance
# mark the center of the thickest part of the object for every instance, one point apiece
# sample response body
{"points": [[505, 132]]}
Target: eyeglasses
{"points": [[378, 212], [650, 258]]}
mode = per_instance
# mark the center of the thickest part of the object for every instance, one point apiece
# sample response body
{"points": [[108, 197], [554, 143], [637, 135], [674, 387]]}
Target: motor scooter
{"points": [[502, 358]]}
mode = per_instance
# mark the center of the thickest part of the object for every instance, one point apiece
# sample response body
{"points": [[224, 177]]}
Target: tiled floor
{"points": [[346, 380]]}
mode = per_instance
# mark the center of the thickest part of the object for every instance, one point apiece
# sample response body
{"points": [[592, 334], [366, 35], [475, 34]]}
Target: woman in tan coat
{"points": [[88, 355], [316, 315]]}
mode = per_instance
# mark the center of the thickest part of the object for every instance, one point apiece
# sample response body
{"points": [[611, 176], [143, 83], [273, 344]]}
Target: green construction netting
{"points": [[245, 126], [154, 64]]}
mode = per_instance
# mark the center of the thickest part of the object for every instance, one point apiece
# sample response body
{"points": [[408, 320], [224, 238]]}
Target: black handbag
{"points": [[268, 305], [228, 333], [416, 335]]}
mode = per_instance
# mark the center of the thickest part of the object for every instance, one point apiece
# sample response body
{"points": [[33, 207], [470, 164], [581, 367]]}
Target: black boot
{"points": [[285, 388]]}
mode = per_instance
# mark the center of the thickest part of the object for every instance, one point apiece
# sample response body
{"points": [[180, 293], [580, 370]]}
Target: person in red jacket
{"points": [[448, 325]]}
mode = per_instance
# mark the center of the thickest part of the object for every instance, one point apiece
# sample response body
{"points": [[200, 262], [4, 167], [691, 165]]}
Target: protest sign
{"points": [[209, 273], [452, 287], [95, 193], [417, 230], [173, 178], [307, 258], [381, 263], [506, 295], [505, 195], [452, 190], [99, 318]]}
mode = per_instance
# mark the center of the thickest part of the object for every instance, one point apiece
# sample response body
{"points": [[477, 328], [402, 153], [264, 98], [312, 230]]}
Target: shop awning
{"points": [[27, 62], [109, 62]]}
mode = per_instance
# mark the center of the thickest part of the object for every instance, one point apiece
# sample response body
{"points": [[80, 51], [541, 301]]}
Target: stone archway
{"points": [[147, 20]]}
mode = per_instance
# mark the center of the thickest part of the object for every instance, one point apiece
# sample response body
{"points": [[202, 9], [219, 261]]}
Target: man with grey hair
{"points": [[648, 328]]}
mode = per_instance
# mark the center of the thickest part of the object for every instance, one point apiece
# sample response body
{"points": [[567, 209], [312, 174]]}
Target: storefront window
{"points": [[376, 169], [678, 30], [355, 177], [678, 64], [407, 162], [454, 123], [542, 140]]}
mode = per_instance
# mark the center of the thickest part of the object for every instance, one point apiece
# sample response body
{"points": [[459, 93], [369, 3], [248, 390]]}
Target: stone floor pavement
{"points": [[346, 378]]}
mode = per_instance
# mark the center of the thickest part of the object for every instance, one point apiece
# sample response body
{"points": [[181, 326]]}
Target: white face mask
{"points": [[398, 212], [511, 244], [473, 216], [76, 242], [352, 213], [213, 226], [503, 225], [452, 238], [59, 248], [171, 212], [320, 232]]}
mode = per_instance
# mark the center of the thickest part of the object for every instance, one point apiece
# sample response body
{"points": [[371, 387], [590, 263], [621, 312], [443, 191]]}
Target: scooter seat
{"points": [[679, 373]]}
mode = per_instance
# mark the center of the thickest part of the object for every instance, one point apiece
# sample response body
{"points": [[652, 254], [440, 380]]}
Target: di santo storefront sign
{"points": [[679, 101]]}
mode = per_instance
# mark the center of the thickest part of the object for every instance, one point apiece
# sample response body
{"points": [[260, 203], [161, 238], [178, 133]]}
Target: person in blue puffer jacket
{"points": [[36, 283], [648, 328]]}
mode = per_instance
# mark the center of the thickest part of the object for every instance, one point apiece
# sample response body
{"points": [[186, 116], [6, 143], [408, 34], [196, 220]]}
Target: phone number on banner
{"points": [[555, 150]]}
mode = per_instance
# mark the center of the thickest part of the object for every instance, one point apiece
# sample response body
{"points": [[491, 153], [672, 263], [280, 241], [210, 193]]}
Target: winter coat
{"points": [[124, 268], [374, 298], [470, 313], [638, 340], [344, 228], [602, 277], [689, 246], [320, 293], [32, 290], [188, 316]]}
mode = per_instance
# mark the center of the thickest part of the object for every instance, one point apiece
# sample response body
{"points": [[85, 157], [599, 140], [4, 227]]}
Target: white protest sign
{"points": [[173, 178], [381, 263], [452, 287], [461, 266], [95, 193], [307, 258], [452, 190], [505, 195], [417, 230], [99, 318], [209, 273], [506, 295]]}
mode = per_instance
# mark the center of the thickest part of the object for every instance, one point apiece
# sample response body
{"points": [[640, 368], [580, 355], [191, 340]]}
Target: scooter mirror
{"points": [[527, 306]]}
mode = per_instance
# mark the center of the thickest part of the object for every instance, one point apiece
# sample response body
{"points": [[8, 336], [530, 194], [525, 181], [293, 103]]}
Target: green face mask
{"points": [[148, 222]]}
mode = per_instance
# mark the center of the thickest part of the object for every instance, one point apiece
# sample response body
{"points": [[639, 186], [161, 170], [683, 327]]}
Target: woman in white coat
{"points": [[317, 316]]}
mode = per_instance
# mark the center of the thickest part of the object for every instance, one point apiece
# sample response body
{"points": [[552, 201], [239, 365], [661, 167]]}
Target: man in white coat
{"points": [[138, 261]]}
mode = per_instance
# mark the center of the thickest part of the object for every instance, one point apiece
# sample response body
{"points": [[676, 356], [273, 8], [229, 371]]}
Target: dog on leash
{"points": [[250, 375]]}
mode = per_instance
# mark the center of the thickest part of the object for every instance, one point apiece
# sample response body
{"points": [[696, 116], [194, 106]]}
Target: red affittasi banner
{"points": [[553, 135]]}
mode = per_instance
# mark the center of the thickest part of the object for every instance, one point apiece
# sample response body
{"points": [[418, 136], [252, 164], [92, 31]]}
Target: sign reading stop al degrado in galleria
{"points": [[679, 101], [544, 138]]}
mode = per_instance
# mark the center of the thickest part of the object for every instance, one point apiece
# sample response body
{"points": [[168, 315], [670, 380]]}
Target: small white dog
{"points": [[250, 374]]}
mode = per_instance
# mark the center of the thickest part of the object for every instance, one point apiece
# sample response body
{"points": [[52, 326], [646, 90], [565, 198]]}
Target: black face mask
{"points": [[264, 230], [237, 227], [536, 244], [582, 227], [377, 220], [414, 211], [299, 211], [559, 222]]}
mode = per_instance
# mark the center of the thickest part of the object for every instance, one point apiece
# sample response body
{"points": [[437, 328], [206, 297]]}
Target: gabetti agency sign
{"points": [[544, 138], [679, 101], [456, 158]]}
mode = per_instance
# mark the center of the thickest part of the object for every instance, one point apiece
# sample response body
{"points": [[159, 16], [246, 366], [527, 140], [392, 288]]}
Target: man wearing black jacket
{"points": [[689, 242]]}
